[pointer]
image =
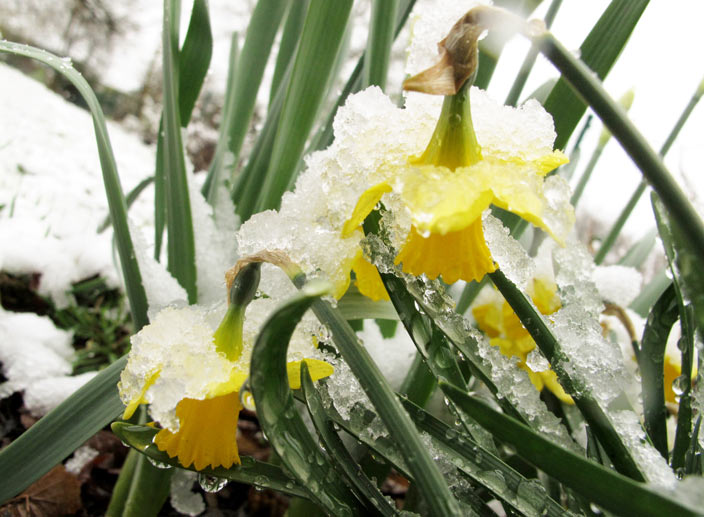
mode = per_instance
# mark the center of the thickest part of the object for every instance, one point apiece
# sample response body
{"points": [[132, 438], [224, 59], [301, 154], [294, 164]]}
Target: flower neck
{"points": [[454, 143], [228, 336]]}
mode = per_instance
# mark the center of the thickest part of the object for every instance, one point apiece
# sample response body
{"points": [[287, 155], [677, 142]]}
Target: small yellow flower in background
{"points": [[190, 370], [498, 321]]}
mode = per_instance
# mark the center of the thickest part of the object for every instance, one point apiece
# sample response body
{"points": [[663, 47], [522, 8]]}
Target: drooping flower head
{"points": [[190, 369], [462, 171]]}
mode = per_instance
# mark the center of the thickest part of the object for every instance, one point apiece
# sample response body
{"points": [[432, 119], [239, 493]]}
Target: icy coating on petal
{"points": [[179, 344]]}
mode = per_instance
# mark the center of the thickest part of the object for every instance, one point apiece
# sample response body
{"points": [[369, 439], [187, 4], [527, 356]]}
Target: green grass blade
{"points": [[221, 158], [251, 471], [528, 62], [639, 252], [650, 293], [263, 25], [277, 413], [381, 36], [122, 486], [195, 57], [111, 179], [132, 196], [481, 465], [687, 282], [317, 50], [396, 420], [324, 137], [599, 52], [627, 210], [355, 306], [61, 431], [589, 407], [159, 193], [608, 489], [149, 488], [179, 224], [662, 317], [614, 117], [333, 444], [295, 17]]}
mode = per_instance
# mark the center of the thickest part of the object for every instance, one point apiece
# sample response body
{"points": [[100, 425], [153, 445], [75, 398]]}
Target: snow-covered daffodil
{"points": [[498, 321], [190, 370], [462, 172]]}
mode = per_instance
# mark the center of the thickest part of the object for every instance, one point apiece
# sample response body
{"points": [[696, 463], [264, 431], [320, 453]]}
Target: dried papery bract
{"points": [[458, 51]]}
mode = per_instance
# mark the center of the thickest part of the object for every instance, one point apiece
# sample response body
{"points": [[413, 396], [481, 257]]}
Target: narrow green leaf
{"points": [[687, 283], [159, 193], [694, 453], [122, 486], [263, 25], [632, 141], [320, 41], [290, 36], [381, 36], [368, 492], [608, 489], [599, 52], [650, 293], [662, 317], [179, 224], [53, 438], [195, 58], [132, 196], [251, 471], [589, 407], [221, 159], [111, 179], [396, 420], [149, 488], [355, 306], [528, 62], [277, 413], [636, 255], [482, 466]]}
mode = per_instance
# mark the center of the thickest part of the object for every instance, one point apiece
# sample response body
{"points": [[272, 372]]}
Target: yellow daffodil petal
{"points": [[207, 434], [545, 296], [365, 205], [457, 255], [672, 370], [489, 319], [134, 403], [442, 201], [368, 279], [550, 162], [550, 379], [317, 369], [513, 328], [232, 384]]}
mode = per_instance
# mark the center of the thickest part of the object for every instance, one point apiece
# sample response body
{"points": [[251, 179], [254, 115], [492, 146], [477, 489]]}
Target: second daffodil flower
{"points": [[477, 156], [190, 369]]}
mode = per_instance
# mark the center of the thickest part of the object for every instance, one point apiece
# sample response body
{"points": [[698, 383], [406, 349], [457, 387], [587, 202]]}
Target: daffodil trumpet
{"points": [[192, 376]]}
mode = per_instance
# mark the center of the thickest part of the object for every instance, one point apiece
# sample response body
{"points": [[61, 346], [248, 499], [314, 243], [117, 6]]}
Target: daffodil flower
{"points": [[498, 321], [191, 372]]}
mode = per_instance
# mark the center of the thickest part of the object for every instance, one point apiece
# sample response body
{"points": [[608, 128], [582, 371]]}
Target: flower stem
{"points": [[632, 141]]}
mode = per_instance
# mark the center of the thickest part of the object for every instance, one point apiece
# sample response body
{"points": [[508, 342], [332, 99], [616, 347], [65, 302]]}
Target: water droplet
{"points": [[261, 481], [159, 464], [594, 509], [679, 384], [211, 483], [246, 397]]}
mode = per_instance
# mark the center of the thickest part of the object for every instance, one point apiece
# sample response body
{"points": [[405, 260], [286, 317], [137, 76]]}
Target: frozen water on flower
{"points": [[648, 459], [594, 364], [80, 459], [513, 383], [617, 284], [179, 345], [393, 356], [430, 22], [160, 287], [536, 361], [512, 259], [558, 214], [526, 132], [183, 498]]}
